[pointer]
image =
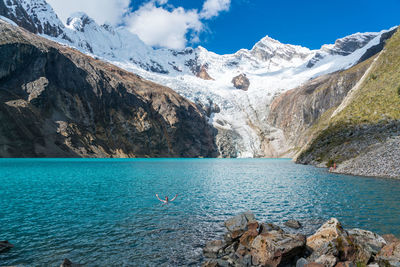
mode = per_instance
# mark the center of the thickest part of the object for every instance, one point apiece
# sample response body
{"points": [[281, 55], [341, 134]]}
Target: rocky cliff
{"points": [[58, 102], [350, 117]]}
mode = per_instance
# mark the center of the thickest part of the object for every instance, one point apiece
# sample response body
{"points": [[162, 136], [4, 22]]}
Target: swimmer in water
{"points": [[166, 201]]}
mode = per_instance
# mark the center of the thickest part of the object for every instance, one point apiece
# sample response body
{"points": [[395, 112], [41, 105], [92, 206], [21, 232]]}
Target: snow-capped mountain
{"points": [[239, 116]]}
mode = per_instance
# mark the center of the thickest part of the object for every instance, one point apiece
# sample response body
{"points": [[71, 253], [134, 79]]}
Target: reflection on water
{"points": [[104, 212]]}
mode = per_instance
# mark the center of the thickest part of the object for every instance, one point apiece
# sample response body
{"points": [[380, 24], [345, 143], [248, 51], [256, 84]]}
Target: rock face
{"points": [[361, 134], [57, 102], [350, 117], [298, 110], [203, 74], [250, 243], [241, 82]]}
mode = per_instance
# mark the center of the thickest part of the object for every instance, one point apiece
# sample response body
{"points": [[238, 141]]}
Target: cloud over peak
{"points": [[155, 21], [212, 8], [111, 11], [158, 26]]}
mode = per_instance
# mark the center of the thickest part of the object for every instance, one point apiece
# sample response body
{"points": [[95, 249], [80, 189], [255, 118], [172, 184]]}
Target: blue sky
{"points": [[241, 23]]}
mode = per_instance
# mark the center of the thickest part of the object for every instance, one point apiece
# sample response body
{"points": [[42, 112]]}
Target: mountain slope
{"points": [[240, 118], [362, 134], [57, 102]]}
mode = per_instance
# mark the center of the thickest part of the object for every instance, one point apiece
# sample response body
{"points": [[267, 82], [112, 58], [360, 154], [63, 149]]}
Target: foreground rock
{"points": [[250, 243], [5, 245], [293, 224]]}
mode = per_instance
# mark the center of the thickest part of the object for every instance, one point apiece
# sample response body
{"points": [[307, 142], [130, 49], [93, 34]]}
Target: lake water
{"points": [[104, 212]]}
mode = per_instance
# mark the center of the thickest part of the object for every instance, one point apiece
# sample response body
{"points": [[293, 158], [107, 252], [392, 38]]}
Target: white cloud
{"points": [[157, 26], [101, 11], [212, 8]]}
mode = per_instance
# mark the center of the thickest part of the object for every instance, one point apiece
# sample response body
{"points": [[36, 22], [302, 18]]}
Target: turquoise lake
{"points": [[104, 212]]}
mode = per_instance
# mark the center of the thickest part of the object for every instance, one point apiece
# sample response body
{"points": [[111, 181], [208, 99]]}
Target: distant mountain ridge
{"points": [[240, 118]]}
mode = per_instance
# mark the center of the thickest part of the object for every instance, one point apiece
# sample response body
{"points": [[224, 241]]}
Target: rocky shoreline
{"points": [[252, 243]]}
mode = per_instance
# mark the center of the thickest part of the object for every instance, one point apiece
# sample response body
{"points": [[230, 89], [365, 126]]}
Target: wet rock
{"points": [[68, 263], [389, 256], [213, 248], [276, 248], [293, 224], [241, 82], [325, 234], [5, 245], [238, 224]]}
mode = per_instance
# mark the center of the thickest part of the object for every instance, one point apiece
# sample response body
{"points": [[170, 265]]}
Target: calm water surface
{"points": [[104, 212]]}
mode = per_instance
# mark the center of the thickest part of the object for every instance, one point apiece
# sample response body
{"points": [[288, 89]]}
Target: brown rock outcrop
{"points": [[58, 102], [261, 244], [203, 74]]}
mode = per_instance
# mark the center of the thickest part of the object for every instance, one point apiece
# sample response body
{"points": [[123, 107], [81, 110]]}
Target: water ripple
{"points": [[103, 212]]}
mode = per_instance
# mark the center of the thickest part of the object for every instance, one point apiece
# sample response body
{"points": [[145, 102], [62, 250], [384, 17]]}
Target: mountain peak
{"points": [[79, 20], [268, 48]]}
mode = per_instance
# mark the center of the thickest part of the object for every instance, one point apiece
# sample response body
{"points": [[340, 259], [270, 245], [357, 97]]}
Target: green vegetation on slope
{"points": [[378, 98], [370, 116]]}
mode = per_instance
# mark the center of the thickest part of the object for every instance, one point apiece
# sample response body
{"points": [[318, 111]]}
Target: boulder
{"points": [[5, 245], [293, 224], [276, 248], [368, 240], [389, 256], [68, 263], [241, 82], [325, 234], [213, 248], [389, 238], [238, 224], [268, 227], [247, 238]]}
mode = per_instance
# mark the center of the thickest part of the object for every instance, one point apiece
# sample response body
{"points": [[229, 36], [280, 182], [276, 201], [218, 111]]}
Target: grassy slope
{"points": [[375, 103], [378, 98]]}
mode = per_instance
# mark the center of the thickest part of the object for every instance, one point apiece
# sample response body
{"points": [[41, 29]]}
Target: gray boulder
{"points": [[293, 224], [238, 224]]}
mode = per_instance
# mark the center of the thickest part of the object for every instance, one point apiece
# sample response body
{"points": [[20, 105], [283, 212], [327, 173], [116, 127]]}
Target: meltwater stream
{"points": [[104, 212]]}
